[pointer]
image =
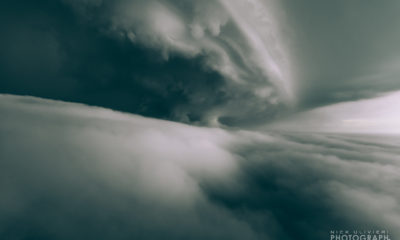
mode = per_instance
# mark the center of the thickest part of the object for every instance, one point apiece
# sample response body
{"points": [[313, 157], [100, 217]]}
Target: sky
{"points": [[199, 62], [379, 115], [211, 119]]}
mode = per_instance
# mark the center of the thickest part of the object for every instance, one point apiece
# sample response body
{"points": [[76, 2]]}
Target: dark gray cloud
{"points": [[72, 171], [198, 62], [185, 61], [48, 51]]}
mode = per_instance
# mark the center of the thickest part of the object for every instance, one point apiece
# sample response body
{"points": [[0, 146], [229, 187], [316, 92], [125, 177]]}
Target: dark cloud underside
{"points": [[47, 51], [198, 62], [81, 52]]}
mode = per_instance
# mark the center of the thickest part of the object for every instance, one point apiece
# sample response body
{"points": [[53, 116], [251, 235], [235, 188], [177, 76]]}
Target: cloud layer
{"points": [[72, 171]]}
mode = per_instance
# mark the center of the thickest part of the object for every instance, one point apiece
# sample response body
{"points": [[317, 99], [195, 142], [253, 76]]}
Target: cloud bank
{"points": [[73, 171]]}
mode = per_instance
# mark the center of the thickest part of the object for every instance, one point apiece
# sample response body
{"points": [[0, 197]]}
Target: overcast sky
{"points": [[200, 61]]}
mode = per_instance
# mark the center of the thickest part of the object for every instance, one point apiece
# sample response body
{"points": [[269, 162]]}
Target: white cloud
{"points": [[377, 115], [125, 175], [144, 172]]}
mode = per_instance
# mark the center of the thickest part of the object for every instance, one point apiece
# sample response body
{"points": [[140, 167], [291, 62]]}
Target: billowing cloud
{"points": [[189, 61], [73, 171], [198, 62], [94, 173], [241, 40]]}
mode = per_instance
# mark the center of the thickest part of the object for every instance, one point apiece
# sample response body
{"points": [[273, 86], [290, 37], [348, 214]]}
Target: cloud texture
{"points": [[198, 62], [241, 40], [189, 61], [73, 171]]}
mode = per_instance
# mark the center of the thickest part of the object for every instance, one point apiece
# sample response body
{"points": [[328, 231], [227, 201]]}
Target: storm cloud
{"points": [[199, 61], [193, 62], [211, 119], [379, 115], [73, 171]]}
